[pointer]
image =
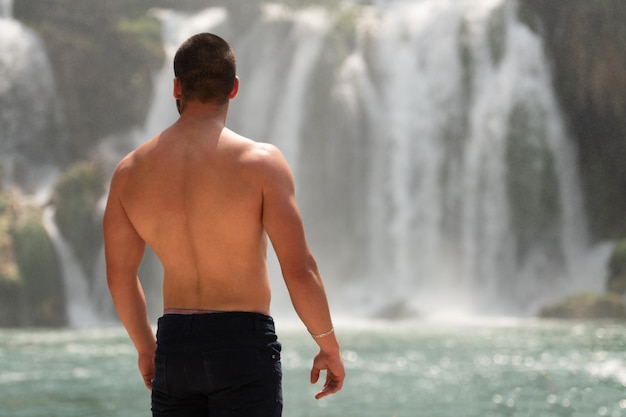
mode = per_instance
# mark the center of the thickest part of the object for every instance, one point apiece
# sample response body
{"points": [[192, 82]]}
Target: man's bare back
{"points": [[203, 198], [201, 212]]}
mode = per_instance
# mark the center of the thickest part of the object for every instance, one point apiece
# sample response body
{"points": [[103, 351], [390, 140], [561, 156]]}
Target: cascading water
{"points": [[433, 167], [481, 208], [475, 190], [30, 115], [81, 310]]}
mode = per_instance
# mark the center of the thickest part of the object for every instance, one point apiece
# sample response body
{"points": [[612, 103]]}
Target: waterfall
{"points": [[81, 308], [433, 166], [30, 114], [481, 208]]}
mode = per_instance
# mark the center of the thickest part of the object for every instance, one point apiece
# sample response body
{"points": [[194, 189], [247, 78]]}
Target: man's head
{"points": [[206, 68]]}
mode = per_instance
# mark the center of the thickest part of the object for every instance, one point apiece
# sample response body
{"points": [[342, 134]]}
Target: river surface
{"points": [[521, 368]]}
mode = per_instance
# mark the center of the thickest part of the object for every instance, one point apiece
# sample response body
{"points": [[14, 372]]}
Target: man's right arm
{"points": [[283, 223], [124, 250]]}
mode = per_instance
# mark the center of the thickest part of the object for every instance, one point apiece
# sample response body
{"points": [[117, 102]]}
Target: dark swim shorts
{"points": [[217, 365]]}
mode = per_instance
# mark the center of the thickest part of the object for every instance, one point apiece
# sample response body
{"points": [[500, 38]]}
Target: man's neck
{"points": [[195, 110]]}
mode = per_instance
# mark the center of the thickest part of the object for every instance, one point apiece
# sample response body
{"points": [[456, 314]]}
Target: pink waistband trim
{"points": [[189, 311]]}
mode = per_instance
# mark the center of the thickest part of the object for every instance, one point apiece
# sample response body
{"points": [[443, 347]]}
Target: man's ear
{"points": [[178, 89], [235, 89]]}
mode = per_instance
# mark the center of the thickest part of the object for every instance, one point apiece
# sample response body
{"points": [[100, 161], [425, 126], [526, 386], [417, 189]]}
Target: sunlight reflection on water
{"points": [[402, 369]]}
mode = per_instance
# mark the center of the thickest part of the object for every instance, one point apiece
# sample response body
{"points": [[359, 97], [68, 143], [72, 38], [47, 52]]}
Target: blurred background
{"points": [[459, 164], [452, 158]]}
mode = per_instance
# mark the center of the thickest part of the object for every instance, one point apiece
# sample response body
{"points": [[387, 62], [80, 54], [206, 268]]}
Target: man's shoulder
{"points": [[124, 168], [128, 164], [131, 159], [254, 152], [263, 161], [263, 152]]}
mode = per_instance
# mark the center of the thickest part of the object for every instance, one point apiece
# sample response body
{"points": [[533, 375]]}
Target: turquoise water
{"points": [[521, 369]]}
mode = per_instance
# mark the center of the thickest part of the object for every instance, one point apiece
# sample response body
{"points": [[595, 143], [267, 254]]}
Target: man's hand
{"points": [[146, 368], [335, 373]]}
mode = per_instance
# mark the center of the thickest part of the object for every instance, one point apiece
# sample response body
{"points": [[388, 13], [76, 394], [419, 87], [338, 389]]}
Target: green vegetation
{"points": [[31, 284], [40, 272], [10, 284], [75, 198]]}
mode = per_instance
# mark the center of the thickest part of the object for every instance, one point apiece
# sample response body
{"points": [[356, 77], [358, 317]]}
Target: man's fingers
{"points": [[332, 385], [147, 380], [146, 368], [335, 373], [315, 375]]}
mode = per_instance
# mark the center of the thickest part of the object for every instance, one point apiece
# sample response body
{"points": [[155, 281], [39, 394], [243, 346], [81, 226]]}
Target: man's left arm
{"points": [[124, 250]]}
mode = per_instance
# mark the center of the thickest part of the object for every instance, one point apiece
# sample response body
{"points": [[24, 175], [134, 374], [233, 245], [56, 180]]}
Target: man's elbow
{"points": [[305, 271], [118, 278]]}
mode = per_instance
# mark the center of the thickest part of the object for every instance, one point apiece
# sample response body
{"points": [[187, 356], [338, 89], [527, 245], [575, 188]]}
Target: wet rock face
{"points": [[587, 45]]}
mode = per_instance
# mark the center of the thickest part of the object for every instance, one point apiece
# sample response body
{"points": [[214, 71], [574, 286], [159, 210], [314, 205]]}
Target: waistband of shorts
{"points": [[182, 332], [218, 319], [187, 311]]}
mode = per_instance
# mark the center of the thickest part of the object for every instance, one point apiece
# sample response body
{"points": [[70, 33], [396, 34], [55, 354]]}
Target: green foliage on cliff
{"points": [[31, 284], [10, 284], [40, 272], [75, 198]]}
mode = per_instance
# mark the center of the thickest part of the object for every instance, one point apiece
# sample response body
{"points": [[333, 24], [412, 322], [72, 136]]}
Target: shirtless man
{"points": [[204, 198]]}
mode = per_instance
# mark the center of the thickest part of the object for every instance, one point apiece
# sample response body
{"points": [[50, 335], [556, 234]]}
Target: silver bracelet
{"points": [[328, 333]]}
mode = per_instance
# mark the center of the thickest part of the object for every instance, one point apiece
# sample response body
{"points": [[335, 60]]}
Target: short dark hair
{"points": [[206, 66]]}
